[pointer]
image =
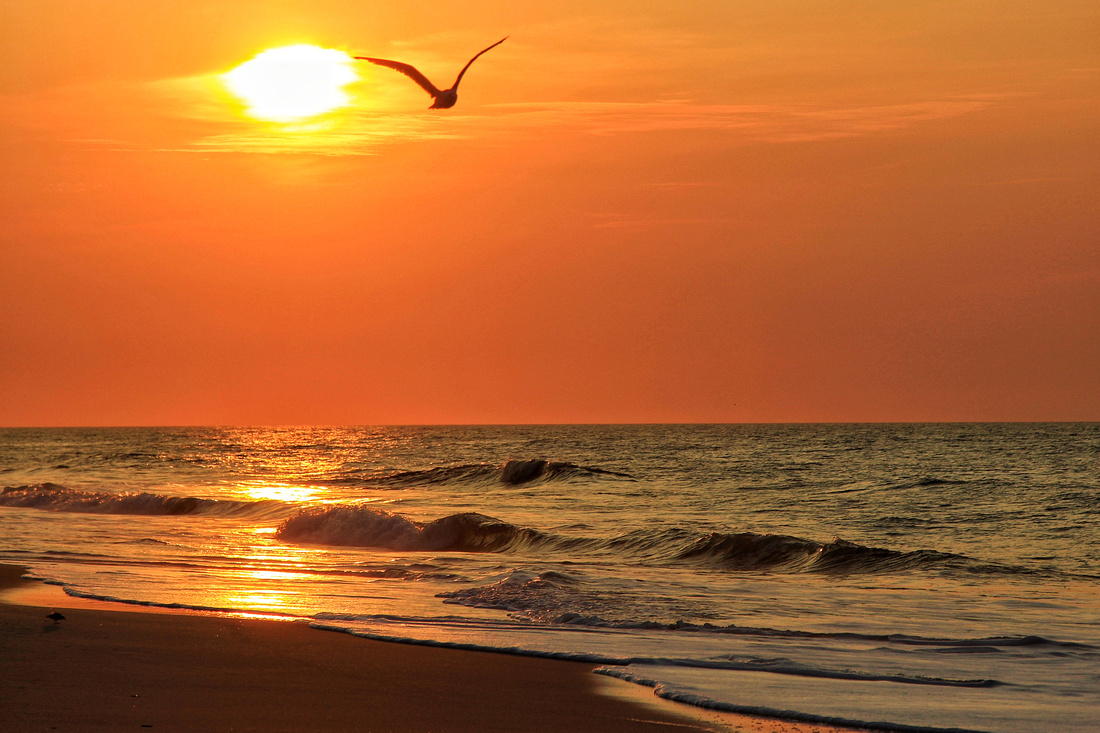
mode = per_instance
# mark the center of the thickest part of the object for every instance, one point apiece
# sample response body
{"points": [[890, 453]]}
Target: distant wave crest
{"points": [[57, 498], [512, 473]]}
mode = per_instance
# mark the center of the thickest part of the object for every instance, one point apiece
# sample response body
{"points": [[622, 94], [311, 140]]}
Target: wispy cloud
{"points": [[206, 121], [767, 123], [363, 137], [363, 133]]}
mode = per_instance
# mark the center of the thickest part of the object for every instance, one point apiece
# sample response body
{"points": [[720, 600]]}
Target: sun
{"points": [[293, 82]]}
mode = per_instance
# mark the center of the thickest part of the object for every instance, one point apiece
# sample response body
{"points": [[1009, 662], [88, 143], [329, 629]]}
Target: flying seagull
{"points": [[55, 617], [444, 99]]}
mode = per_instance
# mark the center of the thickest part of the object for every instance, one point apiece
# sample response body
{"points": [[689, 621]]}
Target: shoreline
{"points": [[110, 666]]}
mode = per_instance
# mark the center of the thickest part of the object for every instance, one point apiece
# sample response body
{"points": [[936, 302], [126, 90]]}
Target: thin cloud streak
{"points": [[356, 132], [765, 123], [335, 142], [362, 134]]}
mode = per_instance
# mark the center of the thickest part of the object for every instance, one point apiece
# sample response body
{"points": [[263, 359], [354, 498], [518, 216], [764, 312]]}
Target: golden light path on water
{"points": [[292, 83], [272, 584], [276, 597], [276, 576], [266, 490]]}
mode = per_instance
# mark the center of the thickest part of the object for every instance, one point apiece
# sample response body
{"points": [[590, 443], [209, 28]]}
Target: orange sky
{"points": [[773, 210]]}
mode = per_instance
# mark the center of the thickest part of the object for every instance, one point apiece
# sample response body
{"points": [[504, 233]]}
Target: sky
{"points": [[700, 211]]}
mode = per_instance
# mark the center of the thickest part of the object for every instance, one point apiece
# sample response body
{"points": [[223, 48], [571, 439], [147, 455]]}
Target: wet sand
{"points": [[110, 670]]}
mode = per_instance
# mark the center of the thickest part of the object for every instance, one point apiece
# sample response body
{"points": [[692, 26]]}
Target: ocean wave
{"points": [[511, 473], [57, 498], [938, 481], [357, 525], [749, 551], [354, 525], [363, 526], [539, 597], [524, 471]]}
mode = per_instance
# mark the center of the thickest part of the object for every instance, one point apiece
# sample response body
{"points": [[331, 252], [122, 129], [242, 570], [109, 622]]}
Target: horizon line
{"points": [[543, 424]]}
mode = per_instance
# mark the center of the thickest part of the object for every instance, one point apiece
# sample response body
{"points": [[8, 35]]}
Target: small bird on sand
{"points": [[55, 617], [444, 99]]}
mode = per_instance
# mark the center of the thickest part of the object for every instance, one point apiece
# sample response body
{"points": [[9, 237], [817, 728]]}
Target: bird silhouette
{"points": [[55, 617], [444, 99]]}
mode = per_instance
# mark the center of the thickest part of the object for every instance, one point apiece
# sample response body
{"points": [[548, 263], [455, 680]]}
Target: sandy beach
{"points": [[101, 670]]}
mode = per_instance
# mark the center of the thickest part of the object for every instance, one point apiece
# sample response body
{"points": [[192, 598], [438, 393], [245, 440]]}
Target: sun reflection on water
{"points": [[273, 575], [262, 591], [258, 600], [291, 493]]}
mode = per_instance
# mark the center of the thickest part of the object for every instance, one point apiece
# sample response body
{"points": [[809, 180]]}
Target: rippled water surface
{"points": [[936, 576]]}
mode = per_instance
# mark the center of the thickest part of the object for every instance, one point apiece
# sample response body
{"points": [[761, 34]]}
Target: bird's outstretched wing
{"points": [[409, 71], [502, 40]]}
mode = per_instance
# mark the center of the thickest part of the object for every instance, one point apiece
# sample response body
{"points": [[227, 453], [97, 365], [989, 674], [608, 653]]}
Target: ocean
{"points": [[910, 576]]}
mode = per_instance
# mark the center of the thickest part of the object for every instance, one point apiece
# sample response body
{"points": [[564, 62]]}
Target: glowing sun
{"points": [[293, 82]]}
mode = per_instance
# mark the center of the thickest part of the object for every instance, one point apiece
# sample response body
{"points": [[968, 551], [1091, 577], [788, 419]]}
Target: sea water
{"points": [[915, 577]]}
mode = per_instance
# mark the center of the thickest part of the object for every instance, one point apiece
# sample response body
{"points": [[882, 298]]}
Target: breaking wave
{"points": [[363, 526], [57, 498], [748, 551]]}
